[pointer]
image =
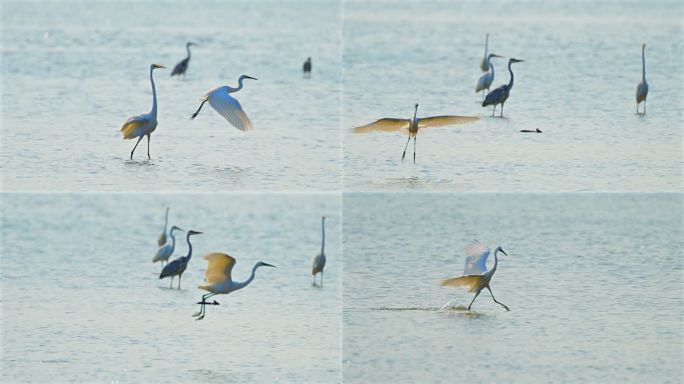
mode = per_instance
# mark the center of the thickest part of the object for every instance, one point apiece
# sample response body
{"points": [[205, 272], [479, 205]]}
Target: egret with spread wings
{"points": [[219, 279], [411, 126], [227, 106], [144, 124], [475, 274]]}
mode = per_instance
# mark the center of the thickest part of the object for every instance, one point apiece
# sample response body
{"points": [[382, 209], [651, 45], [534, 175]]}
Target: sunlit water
{"points": [[577, 84], [82, 302], [73, 71], [594, 284]]}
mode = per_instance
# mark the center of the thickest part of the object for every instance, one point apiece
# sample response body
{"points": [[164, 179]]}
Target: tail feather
{"points": [[470, 282]]}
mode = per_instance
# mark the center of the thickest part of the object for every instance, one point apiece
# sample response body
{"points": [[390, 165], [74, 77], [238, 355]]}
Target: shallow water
{"points": [[593, 283], [82, 302]]}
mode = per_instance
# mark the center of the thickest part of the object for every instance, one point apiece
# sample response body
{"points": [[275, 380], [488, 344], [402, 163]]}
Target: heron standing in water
{"points": [[500, 94], [182, 66], [485, 81], [144, 124], [178, 266], [319, 260], [642, 88]]}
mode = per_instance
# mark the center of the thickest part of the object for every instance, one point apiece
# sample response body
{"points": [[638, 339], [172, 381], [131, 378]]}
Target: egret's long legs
{"points": [[203, 304], [414, 148], [140, 138], [476, 295], [501, 304], [148, 146], [406, 146]]}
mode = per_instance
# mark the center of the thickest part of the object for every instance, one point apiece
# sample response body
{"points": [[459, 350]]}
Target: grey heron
{"points": [[178, 266], [642, 88], [500, 94], [319, 260], [182, 66]]}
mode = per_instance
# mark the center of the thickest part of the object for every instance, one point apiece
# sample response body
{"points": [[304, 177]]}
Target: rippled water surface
{"points": [[594, 284], [82, 302]]}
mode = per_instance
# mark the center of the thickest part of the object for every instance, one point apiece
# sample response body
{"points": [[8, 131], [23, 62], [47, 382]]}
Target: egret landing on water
{"points": [[143, 124], [475, 274], [307, 67], [219, 98], [182, 66], [162, 238], [178, 266], [411, 126], [485, 81], [484, 63], [500, 95], [219, 279], [166, 250], [319, 260], [642, 88]]}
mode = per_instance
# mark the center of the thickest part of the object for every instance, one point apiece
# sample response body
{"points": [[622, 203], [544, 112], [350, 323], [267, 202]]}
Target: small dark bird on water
{"points": [[531, 131], [307, 67]]}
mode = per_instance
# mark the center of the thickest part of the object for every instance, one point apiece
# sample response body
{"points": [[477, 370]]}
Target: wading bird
{"points": [[143, 124], [162, 238], [178, 266], [642, 88], [485, 81], [307, 67], [475, 274], [484, 63], [182, 66], [411, 126], [166, 250], [319, 260], [219, 279], [500, 94], [219, 98]]}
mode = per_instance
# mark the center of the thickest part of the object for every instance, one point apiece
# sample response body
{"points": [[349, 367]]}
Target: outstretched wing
{"points": [[476, 258], [220, 267], [230, 109], [443, 121], [470, 282], [384, 125]]}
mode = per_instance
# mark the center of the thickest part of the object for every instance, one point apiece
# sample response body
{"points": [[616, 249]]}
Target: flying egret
{"points": [[166, 250], [642, 88], [307, 67], [143, 124], [485, 81], [484, 63], [319, 260], [219, 279], [475, 274], [219, 98], [178, 266], [411, 126], [162, 238], [182, 66], [500, 94]]}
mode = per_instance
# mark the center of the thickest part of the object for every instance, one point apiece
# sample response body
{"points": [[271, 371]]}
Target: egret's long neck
{"points": [[510, 82], [323, 237], [489, 63], [251, 277], [154, 95], [173, 240], [166, 217], [486, 44], [643, 64], [496, 261], [240, 80]]}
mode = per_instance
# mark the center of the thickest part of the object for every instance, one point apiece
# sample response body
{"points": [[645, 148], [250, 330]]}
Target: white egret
{"points": [[484, 63], [143, 124], [166, 250], [500, 94], [411, 126], [485, 81], [319, 260], [178, 266], [475, 274], [219, 98], [307, 67], [219, 280], [162, 238], [182, 66], [642, 88]]}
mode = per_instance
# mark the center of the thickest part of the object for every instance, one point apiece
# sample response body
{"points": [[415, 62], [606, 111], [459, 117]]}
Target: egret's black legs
{"points": [[203, 304], [314, 283], [476, 295], [140, 138], [198, 110], [414, 148], [148, 146], [406, 146], [501, 304]]}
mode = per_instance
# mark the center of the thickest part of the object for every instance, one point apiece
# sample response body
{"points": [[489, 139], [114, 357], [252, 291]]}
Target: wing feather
{"points": [[476, 258], [443, 121], [470, 282], [230, 109], [219, 268], [384, 125], [132, 125]]}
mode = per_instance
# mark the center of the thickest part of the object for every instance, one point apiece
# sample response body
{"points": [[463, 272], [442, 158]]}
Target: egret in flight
{"points": [[162, 238], [485, 81], [166, 250], [219, 279], [219, 98], [182, 66], [178, 266], [319, 260], [500, 94], [642, 88], [143, 124], [411, 126], [475, 274], [307, 67], [484, 63]]}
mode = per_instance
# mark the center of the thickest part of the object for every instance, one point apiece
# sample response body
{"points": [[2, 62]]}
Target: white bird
{"points": [[178, 266], [162, 238], [485, 81], [411, 126], [182, 66], [500, 94], [143, 124], [642, 88], [219, 280], [475, 274], [219, 98], [484, 63], [165, 251], [319, 260]]}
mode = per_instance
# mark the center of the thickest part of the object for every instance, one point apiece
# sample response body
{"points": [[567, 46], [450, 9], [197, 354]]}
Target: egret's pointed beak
{"points": [[267, 265], [250, 77], [504, 252], [158, 66]]}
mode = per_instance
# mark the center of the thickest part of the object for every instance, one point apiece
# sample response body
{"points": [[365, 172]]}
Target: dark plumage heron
{"points": [[182, 66], [500, 94], [178, 266], [642, 88], [307, 67], [319, 260]]}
